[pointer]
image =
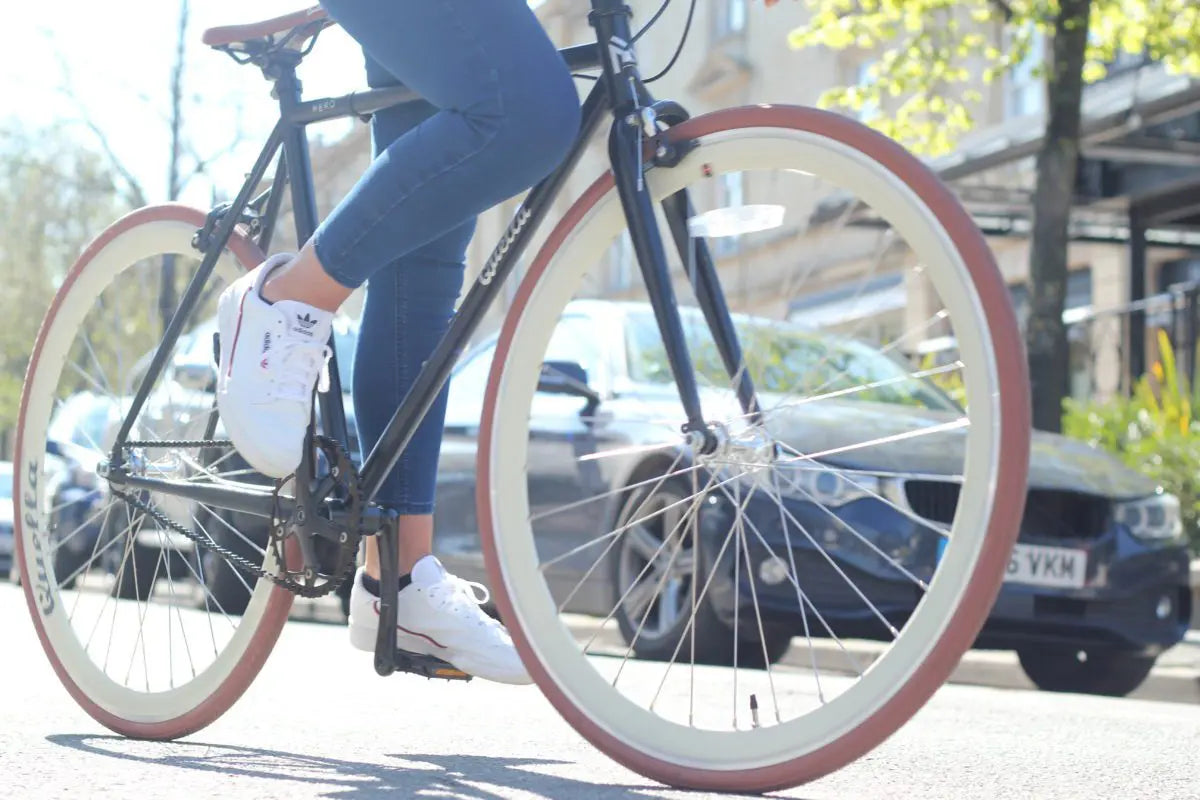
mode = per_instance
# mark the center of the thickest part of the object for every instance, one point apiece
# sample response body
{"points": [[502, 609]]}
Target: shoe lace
{"points": [[464, 597], [300, 365]]}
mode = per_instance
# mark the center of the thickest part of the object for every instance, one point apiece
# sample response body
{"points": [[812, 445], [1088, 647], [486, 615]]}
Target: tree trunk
{"points": [[1045, 334], [167, 295]]}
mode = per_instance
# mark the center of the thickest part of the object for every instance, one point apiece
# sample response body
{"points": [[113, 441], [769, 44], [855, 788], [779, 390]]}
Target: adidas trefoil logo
{"points": [[306, 321]]}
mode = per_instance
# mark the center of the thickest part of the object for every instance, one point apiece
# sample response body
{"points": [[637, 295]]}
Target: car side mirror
{"points": [[198, 377], [569, 378]]}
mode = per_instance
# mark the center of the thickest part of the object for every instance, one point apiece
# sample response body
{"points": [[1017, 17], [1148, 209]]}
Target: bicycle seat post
{"points": [[389, 588]]}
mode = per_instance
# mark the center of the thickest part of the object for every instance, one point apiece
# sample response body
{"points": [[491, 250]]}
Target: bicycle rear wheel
{"points": [[867, 505], [129, 621]]}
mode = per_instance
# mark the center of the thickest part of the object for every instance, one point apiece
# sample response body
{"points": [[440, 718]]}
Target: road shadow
{"points": [[464, 777]]}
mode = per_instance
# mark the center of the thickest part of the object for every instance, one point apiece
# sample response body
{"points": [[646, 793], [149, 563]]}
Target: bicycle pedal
{"points": [[428, 666]]}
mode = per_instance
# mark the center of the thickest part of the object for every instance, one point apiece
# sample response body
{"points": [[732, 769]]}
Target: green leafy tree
{"points": [[54, 197], [933, 57]]}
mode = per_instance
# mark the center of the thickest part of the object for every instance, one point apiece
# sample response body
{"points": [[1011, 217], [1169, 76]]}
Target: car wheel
{"points": [[70, 555], [67, 564], [655, 620], [1105, 672], [136, 580]]}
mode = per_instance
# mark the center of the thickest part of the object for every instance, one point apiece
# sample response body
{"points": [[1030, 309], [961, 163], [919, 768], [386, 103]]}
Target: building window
{"points": [[861, 79], [729, 18], [1173, 272], [732, 189], [1026, 87]]}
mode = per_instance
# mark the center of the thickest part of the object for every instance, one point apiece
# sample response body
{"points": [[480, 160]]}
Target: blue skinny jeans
{"points": [[500, 112]]}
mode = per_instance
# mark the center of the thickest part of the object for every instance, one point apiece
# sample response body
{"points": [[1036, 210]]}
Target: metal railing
{"points": [[1102, 361]]}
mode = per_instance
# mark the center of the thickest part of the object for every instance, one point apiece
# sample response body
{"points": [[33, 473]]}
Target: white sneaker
{"points": [[271, 357], [439, 615]]}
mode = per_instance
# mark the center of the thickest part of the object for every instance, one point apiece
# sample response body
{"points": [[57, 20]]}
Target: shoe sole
{"points": [[362, 637]]}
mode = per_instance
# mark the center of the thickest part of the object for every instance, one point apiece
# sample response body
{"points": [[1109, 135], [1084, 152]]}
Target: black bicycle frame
{"points": [[633, 135]]}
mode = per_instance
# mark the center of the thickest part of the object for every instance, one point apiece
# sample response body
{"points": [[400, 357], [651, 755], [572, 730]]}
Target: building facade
{"points": [[1142, 141]]}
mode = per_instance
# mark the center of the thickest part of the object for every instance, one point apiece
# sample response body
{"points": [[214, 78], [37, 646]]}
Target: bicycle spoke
{"points": [[663, 578], [627, 451], [259, 548], [787, 538], [870, 545], [55, 509], [945, 427], [762, 636], [624, 597], [712, 572], [237, 572], [212, 633], [932, 525], [58, 543], [738, 532], [670, 473], [792, 577], [830, 560], [86, 566]]}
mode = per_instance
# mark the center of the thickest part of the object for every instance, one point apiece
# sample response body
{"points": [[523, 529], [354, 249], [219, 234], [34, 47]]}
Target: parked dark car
{"points": [[1097, 586], [6, 517], [78, 429]]}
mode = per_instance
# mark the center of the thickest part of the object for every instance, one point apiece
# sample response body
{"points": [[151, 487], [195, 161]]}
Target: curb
{"points": [[1173, 682]]}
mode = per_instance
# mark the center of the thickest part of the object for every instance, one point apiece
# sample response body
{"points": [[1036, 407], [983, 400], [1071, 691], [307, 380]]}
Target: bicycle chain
{"points": [[346, 476], [183, 443]]}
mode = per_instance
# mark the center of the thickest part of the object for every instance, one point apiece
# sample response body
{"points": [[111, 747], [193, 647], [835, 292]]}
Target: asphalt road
{"points": [[368, 737]]}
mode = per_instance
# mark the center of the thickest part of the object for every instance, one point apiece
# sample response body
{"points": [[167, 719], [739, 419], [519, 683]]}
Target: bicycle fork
{"points": [[627, 148]]}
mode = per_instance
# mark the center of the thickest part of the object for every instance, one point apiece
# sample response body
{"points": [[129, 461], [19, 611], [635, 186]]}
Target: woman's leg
{"points": [[508, 114], [408, 307]]}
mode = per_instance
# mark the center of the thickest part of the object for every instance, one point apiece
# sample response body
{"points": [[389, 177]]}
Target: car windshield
{"points": [[783, 359], [84, 420]]}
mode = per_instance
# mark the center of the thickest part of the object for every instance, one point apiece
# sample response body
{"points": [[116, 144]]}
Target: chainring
{"points": [[340, 557]]}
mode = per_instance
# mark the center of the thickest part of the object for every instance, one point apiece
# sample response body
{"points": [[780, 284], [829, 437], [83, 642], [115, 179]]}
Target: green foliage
{"points": [[54, 197], [1153, 431], [950, 381], [934, 57], [799, 365]]}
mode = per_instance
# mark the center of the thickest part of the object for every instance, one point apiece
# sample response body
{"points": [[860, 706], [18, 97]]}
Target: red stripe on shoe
{"points": [[399, 627], [236, 332]]}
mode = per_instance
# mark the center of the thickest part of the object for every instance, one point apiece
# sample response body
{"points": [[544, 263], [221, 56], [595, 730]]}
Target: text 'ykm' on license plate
{"points": [[1060, 567]]}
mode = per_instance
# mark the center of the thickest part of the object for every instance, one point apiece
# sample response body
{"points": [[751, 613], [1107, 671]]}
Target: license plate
{"points": [[1039, 565]]}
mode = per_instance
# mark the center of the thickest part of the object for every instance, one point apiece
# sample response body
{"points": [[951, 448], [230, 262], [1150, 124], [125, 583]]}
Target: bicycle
{"points": [[736, 482]]}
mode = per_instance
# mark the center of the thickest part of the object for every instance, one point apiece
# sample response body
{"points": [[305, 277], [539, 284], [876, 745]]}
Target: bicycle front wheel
{"points": [[129, 611], [756, 617]]}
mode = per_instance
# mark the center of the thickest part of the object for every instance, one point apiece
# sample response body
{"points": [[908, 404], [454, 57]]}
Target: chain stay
{"points": [[348, 550]]}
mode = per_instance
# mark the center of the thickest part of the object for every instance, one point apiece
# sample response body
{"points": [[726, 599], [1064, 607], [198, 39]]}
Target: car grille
{"points": [[1049, 513]]}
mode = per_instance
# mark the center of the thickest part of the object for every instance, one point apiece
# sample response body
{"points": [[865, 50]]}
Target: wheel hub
{"points": [[751, 449]]}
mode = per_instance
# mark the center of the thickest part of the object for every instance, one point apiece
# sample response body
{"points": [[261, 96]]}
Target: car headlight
{"points": [[1154, 517], [831, 487]]}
